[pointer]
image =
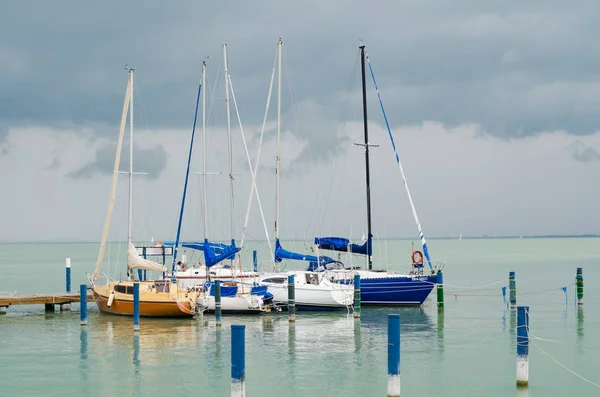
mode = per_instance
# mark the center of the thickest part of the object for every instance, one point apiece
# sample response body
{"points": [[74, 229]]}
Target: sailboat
{"points": [[234, 297], [312, 291], [158, 298], [379, 287]]}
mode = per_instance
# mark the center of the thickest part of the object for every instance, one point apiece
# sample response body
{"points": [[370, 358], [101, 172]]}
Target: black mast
{"points": [[368, 175]]}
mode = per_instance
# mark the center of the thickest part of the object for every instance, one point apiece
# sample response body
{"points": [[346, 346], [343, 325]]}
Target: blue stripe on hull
{"points": [[396, 291]]}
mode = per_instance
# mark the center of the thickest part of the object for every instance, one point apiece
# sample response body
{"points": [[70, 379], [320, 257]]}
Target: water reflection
{"points": [[83, 353], [440, 333], [580, 332], [522, 392], [357, 336], [136, 353], [513, 329], [292, 341]]}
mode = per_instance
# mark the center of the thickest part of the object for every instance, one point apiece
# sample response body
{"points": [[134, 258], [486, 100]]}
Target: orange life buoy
{"points": [[417, 257]]}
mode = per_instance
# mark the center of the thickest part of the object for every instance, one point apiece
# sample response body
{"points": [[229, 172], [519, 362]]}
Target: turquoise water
{"points": [[470, 350]]}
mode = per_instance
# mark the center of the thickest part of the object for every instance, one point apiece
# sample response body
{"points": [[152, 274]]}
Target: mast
{"points": [[129, 221], [368, 175], [277, 156], [229, 141], [204, 148]]}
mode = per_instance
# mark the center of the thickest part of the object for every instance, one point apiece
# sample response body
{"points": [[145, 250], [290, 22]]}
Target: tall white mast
{"points": [[204, 148], [230, 149], [129, 223], [277, 157]]}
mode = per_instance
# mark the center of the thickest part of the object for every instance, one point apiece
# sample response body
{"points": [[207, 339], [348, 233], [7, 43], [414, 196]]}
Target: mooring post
{"points": [[579, 281], [218, 302], [136, 306], [254, 261], [238, 360], [357, 296], [512, 286], [523, 346], [83, 303], [440, 291], [68, 273], [67, 306], [291, 298], [393, 355]]}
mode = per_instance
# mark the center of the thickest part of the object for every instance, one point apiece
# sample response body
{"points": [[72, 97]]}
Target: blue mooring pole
{"points": [[136, 306], [238, 360], [357, 296], [254, 261], [393, 355], [512, 287], [83, 303], [218, 302], [291, 298], [67, 306], [68, 274], [579, 282], [522, 346], [440, 291]]}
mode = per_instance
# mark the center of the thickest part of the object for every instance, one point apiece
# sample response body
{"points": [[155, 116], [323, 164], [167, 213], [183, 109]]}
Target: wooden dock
{"points": [[48, 300]]}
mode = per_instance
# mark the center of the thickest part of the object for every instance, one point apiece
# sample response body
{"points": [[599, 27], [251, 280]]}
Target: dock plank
{"points": [[41, 299]]}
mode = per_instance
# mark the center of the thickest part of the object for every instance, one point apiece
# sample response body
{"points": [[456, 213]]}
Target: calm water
{"points": [[469, 351]]}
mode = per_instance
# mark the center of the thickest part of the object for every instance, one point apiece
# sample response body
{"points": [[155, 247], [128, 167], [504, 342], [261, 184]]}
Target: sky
{"points": [[493, 108]]}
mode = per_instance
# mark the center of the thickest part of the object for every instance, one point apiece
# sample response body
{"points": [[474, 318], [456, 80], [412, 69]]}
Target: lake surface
{"points": [[470, 350]]}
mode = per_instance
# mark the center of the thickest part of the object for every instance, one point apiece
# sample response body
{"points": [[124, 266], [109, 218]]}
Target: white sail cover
{"points": [[134, 261]]}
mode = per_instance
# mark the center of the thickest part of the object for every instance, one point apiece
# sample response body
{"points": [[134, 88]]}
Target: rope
{"points": [[546, 290], [565, 367], [480, 287], [561, 342]]}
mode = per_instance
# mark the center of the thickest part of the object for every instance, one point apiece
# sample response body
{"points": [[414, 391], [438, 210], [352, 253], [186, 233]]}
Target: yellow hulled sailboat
{"points": [[158, 298]]}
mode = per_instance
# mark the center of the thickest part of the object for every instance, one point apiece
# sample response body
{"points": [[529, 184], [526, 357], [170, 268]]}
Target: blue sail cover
{"points": [[213, 256], [226, 290], [199, 246], [343, 244], [281, 254]]}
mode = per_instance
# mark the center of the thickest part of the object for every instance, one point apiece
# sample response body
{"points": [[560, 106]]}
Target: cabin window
{"points": [[312, 278], [275, 280], [124, 289]]}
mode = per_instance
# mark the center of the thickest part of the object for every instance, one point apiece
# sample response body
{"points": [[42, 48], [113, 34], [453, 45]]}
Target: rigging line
{"points": [[256, 165], [252, 172], [414, 211], [345, 106], [564, 366], [291, 89], [185, 185]]}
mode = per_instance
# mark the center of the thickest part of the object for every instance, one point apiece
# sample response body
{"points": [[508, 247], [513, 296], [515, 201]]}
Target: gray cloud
{"points": [[584, 153], [151, 161], [516, 70]]}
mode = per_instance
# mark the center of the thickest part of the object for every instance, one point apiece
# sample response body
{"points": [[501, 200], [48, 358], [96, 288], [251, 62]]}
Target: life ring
{"points": [[158, 243], [417, 257]]}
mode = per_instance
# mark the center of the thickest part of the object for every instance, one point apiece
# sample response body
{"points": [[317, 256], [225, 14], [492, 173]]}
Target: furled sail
{"points": [[343, 244], [113, 184], [134, 261]]}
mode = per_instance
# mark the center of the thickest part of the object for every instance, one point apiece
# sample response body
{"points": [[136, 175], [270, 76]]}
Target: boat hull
{"points": [[388, 289], [240, 304], [152, 304]]}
